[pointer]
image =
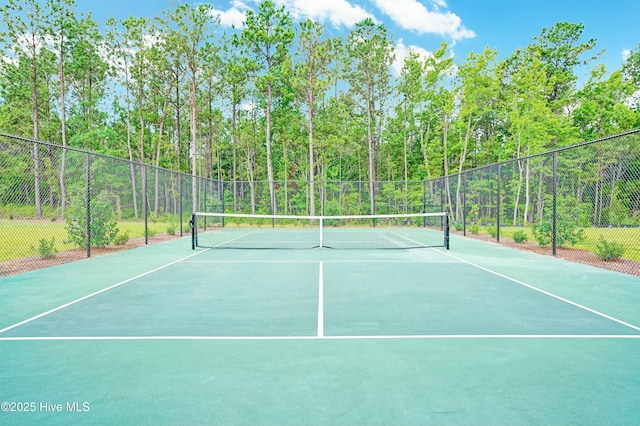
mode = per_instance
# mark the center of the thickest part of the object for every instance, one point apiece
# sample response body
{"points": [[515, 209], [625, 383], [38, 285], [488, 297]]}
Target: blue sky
{"points": [[467, 25]]}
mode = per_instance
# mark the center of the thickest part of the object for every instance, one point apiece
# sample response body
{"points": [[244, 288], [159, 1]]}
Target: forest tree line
{"points": [[278, 100]]}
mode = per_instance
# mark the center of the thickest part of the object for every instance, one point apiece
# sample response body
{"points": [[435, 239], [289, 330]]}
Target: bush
{"points": [[607, 250], [567, 231], [492, 230], [458, 226], [171, 229], [475, 229], [121, 239], [46, 249], [520, 237], [103, 226]]}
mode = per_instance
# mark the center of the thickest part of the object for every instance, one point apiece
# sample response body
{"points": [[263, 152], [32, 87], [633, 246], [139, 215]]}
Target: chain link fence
{"points": [[62, 204], [581, 203]]}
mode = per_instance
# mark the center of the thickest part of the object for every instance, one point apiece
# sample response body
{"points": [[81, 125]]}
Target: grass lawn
{"points": [[20, 238], [629, 238]]}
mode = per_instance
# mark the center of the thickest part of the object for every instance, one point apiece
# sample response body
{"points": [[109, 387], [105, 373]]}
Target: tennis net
{"points": [[231, 230]]}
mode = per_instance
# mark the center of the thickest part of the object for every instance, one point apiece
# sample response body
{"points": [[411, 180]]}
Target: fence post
{"points": [[464, 204], [498, 207], [180, 201], [145, 210], [88, 205], [554, 189], [424, 202]]}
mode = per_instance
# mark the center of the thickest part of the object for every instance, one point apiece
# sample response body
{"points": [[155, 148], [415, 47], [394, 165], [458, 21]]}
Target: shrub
{"points": [[520, 237], [567, 231], [46, 249], [171, 229], [608, 250], [103, 226], [475, 229], [492, 230], [458, 226], [121, 239]]}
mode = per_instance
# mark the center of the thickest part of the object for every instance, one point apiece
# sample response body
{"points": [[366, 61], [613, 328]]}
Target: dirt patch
{"points": [[581, 256], [25, 264]]}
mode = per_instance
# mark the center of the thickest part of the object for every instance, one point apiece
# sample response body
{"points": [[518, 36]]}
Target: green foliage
{"points": [[475, 229], [567, 231], [171, 229], [492, 230], [121, 239], [458, 226], [609, 250], [103, 226], [520, 236], [46, 248]]}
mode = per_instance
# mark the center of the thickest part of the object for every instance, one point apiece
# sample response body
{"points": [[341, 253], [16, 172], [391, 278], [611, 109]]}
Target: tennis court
{"points": [[477, 334]]}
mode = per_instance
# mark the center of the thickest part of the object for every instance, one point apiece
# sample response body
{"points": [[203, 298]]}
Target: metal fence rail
{"points": [[580, 202]]}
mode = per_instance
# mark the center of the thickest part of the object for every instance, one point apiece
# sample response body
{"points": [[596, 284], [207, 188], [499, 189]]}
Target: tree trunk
{"points": [[312, 171], [270, 178]]}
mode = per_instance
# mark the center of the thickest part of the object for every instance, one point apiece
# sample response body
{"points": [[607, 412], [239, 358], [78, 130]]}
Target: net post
{"points": [[321, 224], [192, 222], [446, 231]]}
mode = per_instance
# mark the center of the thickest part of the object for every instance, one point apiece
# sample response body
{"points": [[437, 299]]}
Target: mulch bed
{"points": [[25, 264], [581, 256], [18, 266]]}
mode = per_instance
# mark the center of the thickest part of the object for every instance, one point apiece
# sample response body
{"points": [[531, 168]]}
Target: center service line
{"points": [[321, 301]]}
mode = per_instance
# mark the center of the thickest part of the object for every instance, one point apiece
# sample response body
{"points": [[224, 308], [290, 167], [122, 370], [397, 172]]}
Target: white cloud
{"points": [[402, 51], [414, 16], [338, 12], [625, 54], [234, 17]]}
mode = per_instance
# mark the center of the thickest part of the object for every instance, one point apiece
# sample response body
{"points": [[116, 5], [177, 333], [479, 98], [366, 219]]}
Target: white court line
{"points": [[555, 296], [321, 301], [73, 302], [408, 239], [382, 337], [327, 261]]}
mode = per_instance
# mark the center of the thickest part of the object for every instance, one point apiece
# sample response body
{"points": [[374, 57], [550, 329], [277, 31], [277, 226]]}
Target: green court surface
{"points": [[478, 334]]}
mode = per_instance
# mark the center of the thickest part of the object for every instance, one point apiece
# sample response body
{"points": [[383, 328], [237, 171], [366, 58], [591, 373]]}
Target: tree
{"points": [[236, 71], [191, 39], [559, 48], [267, 36], [631, 76], [89, 84], [64, 30], [477, 92], [123, 48], [530, 123], [30, 70], [313, 78], [369, 56]]}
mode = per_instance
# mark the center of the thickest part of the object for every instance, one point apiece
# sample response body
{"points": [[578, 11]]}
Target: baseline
{"points": [[370, 337]]}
